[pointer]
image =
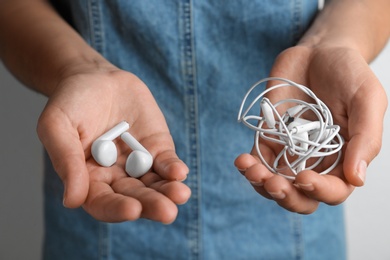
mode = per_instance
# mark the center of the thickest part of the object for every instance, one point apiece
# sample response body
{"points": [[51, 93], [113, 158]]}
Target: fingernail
{"points": [[258, 184], [306, 186], [242, 171], [277, 195], [64, 202], [361, 171]]}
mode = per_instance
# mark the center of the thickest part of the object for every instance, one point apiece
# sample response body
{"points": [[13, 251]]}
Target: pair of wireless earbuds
{"points": [[299, 138], [105, 152]]}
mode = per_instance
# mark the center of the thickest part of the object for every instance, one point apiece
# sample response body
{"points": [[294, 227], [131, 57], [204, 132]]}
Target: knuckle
{"points": [[375, 145]]}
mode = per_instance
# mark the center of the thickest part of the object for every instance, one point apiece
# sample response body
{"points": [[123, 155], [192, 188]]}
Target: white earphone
{"points": [[105, 153], [140, 160], [299, 138]]}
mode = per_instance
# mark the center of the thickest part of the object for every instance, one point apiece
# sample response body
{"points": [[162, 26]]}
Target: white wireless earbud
{"points": [[105, 153], [103, 148], [139, 160]]}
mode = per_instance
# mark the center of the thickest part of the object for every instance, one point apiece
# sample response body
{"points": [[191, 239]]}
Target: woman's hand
{"points": [[84, 105], [341, 78]]}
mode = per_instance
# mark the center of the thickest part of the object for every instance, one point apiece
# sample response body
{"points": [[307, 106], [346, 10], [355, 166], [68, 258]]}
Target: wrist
{"points": [[350, 24], [320, 43], [85, 65], [79, 65]]}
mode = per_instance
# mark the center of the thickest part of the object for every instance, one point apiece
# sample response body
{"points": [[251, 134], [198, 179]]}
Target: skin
{"points": [[109, 194], [331, 59], [76, 80]]}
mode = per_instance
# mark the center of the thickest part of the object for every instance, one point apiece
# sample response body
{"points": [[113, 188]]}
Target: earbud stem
{"points": [[116, 131], [132, 142]]}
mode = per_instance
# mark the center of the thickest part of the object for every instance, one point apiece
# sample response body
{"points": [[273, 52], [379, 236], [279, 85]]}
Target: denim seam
{"points": [[96, 25], [297, 232], [296, 20], [191, 100], [97, 42], [104, 241]]}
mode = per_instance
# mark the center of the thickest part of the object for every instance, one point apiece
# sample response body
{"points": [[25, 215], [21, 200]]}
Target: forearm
{"points": [[39, 47], [363, 25]]}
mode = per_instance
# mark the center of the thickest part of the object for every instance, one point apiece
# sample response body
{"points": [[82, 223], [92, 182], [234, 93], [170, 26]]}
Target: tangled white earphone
{"points": [[299, 139], [105, 153]]}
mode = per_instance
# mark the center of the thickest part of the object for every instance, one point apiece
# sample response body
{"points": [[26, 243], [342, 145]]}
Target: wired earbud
{"points": [[105, 153], [267, 112], [299, 138]]}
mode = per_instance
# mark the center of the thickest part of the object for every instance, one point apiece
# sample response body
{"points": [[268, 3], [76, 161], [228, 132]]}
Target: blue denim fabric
{"points": [[198, 58]]}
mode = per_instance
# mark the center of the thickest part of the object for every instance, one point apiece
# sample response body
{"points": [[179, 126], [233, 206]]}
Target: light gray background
{"points": [[21, 167]]}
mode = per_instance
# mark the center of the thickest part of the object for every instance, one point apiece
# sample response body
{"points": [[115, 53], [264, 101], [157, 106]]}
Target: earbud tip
{"points": [[138, 163], [104, 152]]}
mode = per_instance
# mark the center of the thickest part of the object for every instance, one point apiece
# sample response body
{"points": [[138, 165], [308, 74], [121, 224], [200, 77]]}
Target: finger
{"points": [[255, 172], [66, 153], [328, 188], [168, 165], [106, 205], [176, 191], [288, 196], [365, 129], [257, 175], [155, 206], [245, 161], [166, 162], [278, 188]]}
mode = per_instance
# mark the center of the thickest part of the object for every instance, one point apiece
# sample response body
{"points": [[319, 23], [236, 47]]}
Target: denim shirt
{"points": [[198, 57]]}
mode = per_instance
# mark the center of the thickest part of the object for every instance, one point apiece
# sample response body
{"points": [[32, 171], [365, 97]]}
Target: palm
{"points": [[82, 108], [113, 196], [343, 81]]}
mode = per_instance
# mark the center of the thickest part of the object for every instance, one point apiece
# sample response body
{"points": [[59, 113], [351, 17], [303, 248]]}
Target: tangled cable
{"points": [[299, 139]]}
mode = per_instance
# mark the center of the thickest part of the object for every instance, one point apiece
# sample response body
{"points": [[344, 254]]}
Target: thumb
{"points": [[63, 145], [365, 131]]}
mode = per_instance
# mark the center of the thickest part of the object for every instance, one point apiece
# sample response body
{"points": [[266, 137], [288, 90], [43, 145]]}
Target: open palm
{"points": [[342, 79], [83, 107]]}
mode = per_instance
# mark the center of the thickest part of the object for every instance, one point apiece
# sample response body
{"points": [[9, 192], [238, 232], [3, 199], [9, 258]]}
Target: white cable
{"points": [[298, 138]]}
